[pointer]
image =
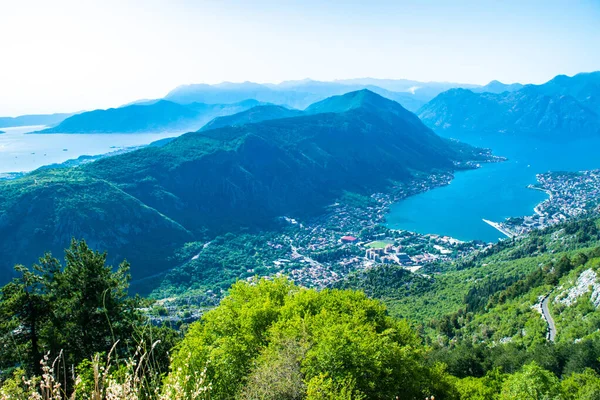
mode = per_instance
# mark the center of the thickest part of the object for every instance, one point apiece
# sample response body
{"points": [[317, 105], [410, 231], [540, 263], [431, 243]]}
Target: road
{"points": [[546, 313]]}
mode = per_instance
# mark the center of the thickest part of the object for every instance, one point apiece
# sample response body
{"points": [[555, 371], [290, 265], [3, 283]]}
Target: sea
{"points": [[22, 151], [494, 191]]}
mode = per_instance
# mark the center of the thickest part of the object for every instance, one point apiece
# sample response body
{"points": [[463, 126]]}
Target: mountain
{"points": [[252, 115], [247, 174], [227, 93], [497, 87], [32, 120], [157, 116], [300, 94], [219, 180], [429, 89], [44, 210], [583, 87], [563, 106]]}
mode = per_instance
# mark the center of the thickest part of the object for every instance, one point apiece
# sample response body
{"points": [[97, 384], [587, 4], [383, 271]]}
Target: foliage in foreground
{"points": [[73, 312], [274, 340], [266, 340]]}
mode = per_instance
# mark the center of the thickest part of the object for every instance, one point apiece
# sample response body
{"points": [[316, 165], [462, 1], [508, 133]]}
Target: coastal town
{"points": [[352, 236], [570, 194]]}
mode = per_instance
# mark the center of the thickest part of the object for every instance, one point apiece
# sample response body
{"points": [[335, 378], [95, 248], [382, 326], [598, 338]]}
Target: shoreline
{"points": [[498, 227], [451, 175], [536, 209]]}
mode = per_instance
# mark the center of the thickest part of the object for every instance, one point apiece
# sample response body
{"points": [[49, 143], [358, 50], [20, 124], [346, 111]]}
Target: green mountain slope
{"points": [[483, 315], [224, 179], [247, 175], [44, 210], [255, 114]]}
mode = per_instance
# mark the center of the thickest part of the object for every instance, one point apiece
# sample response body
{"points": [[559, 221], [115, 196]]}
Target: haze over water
{"points": [[23, 152], [495, 191]]}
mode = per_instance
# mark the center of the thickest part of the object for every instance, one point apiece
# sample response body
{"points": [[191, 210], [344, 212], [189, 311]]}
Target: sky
{"points": [[71, 55]]}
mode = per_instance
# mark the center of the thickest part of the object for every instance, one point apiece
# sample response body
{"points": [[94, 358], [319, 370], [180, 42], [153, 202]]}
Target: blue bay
{"points": [[495, 191]]}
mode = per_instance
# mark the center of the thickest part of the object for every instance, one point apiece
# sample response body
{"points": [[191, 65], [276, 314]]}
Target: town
{"points": [[352, 236], [570, 194]]}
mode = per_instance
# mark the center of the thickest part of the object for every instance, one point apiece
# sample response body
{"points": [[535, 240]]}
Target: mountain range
{"points": [[300, 94], [189, 107], [33, 120], [567, 105], [561, 106], [154, 116], [219, 180]]}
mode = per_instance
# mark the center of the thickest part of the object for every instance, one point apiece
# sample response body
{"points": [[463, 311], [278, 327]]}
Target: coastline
{"points": [[450, 177], [498, 227], [537, 209]]}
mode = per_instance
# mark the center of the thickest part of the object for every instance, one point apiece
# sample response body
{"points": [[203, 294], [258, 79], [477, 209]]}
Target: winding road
{"points": [[546, 313]]}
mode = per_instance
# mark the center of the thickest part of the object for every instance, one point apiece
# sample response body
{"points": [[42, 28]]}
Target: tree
{"points": [[484, 388], [91, 307], [25, 305], [81, 309], [532, 382], [583, 386], [272, 339]]}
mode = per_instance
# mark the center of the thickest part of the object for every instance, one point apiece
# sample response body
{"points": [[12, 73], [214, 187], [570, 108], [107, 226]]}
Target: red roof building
{"points": [[348, 239]]}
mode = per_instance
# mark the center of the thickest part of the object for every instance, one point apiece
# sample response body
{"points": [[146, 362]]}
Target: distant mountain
{"points": [[155, 116], [2, 132], [497, 87], [219, 180], [252, 115], [424, 89], [562, 106], [227, 93], [300, 94], [583, 87], [32, 120]]}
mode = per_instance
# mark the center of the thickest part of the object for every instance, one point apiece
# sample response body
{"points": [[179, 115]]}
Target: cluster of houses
{"points": [[388, 255]]}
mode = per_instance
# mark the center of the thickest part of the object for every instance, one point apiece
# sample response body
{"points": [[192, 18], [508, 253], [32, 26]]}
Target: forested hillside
{"points": [[220, 180], [485, 313]]}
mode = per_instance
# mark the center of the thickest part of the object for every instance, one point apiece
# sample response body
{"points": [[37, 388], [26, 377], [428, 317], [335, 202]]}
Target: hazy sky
{"points": [[66, 55]]}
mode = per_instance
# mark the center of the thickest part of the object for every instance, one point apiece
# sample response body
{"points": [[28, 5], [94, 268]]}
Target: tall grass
{"points": [[96, 379]]}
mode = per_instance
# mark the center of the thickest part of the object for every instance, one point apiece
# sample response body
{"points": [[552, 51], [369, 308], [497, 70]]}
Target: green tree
{"points": [[484, 388], [583, 386], [81, 308], [310, 340], [532, 382], [25, 306], [91, 307]]}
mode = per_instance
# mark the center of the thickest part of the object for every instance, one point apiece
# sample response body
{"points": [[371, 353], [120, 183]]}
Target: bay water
{"points": [[494, 191]]}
